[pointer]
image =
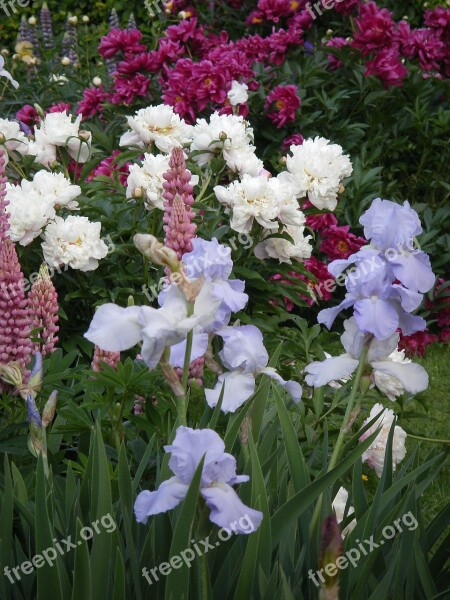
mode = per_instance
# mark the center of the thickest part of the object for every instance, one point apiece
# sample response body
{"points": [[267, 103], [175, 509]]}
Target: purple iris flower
{"points": [[218, 475]]}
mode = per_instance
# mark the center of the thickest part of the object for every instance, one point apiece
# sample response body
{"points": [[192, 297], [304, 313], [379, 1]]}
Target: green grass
{"points": [[434, 405]]}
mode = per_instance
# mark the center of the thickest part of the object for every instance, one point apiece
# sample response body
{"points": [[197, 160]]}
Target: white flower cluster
{"points": [[159, 125], [339, 503], [32, 204], [32, 207], [315, 170], [12, 138], [75, 242], [58, 130]]}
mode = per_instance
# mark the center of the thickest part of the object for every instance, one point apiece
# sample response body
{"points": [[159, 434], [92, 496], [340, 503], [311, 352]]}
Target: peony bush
{"points": [[222, 245]]}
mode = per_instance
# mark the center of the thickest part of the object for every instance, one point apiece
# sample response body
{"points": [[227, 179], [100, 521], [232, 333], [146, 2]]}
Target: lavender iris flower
{"points": [[218, 475], [388, 276]]}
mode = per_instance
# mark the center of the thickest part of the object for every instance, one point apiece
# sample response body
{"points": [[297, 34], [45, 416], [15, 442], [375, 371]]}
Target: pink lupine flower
{"points": [[375, 28], [286, 102], [103, 356], [195, 371], [15, 344], [388, 67], [92, 102], [178, 215], [4, 224], [339, 242], [121, 40], [43, 313]]}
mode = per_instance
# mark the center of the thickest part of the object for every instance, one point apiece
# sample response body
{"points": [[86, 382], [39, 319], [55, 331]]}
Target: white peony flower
{"points": [[339, 503], [394, 376], [41, 148], [57, 129], [158, 124], [148, 177], [28, 212], [316, 169], [262, 199], [12, 137], [57, 189], [238, 93], [283, 250], [229, 136], [74, 241], [374, 455]]}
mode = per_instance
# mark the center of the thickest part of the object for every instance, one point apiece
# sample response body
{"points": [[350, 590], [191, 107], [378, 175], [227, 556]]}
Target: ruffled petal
{"points": [[238, 388], [331, 369], [228, 511], [376, 316], [169, 494], [114, 328], [293, 388], [413, 377], [328, 315], [414, 271], [178, 351]]}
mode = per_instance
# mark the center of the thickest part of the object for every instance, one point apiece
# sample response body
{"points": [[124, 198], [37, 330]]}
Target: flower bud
{"points": [[4, 52], [156, 252], [49, 409], [32, 20], [65, 61], [84, 135], [72, 20], [97, 81], [85, 19], [11, 374]]}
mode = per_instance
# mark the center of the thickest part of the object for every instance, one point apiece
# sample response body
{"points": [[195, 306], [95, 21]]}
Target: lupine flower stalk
{"points": [[113, 20], [46, 27], [131, 22], [4, 225], [69, 44], [43, 312], [24, 31], [103, 356], [15, 344], [178, 215]]}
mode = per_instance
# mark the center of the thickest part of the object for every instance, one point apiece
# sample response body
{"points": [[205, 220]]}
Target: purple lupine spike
{"points": [[103, 356], [15, 343], [113, 20], [178, 213], [43, 312], [131, 22], [24, 31], [69, 43], [33, 38], [46, 27], [4, 224]]}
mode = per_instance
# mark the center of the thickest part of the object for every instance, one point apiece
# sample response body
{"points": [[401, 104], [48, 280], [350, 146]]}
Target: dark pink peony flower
{"points": [[339, 242], [416, 344], [375, 28], [296, 139], [134, 64], [273, 10], [439, 19], [121, 40], [445, 336], [91, 104], [346, 7], [59, 107], [285, 102], [388, 67], [28, 115], [425, 45], [109, 166], [333, 61], [126, 90]]}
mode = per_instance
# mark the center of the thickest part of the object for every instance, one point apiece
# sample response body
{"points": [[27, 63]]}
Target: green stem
{"points": [[426, 439], [182, 400], [203, 573]]}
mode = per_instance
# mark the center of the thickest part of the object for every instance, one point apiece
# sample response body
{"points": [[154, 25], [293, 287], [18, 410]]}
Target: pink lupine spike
{"points": [[43, 311], [195, 371], [15, 343], [4, 224], [178, 214], [103, 356]]}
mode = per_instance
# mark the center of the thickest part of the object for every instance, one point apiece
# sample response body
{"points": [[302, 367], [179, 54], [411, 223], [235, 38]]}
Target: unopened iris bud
{"points": [[11, 374], [49, 409], [152, 249]]}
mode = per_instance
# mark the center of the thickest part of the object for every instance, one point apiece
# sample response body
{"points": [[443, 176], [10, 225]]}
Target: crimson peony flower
{"points": [[286, 102], [121, 40], [388, 67], [28, 115], [375, 28], [91, 104], [339, 242], [416, 344]]}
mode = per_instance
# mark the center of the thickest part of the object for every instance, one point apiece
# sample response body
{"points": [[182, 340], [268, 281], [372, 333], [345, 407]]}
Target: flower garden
{"points": [[224, 300]]}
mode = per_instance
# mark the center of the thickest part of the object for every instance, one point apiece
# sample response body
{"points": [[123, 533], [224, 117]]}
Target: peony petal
{"points": [[228, 511], [413, 377]]}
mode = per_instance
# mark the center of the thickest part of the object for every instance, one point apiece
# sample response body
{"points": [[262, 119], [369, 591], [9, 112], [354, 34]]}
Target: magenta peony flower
{"points": [[346, 7], [416, 344], [439, 19], [121, 40], [91, 104], [43, 313], [296, 139], [28, 115], [286, 102], [339, 242], [388, 67], [59, 107], [126, 90], [375, 28], [109, 166], [425, 45], [333, 61]]}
